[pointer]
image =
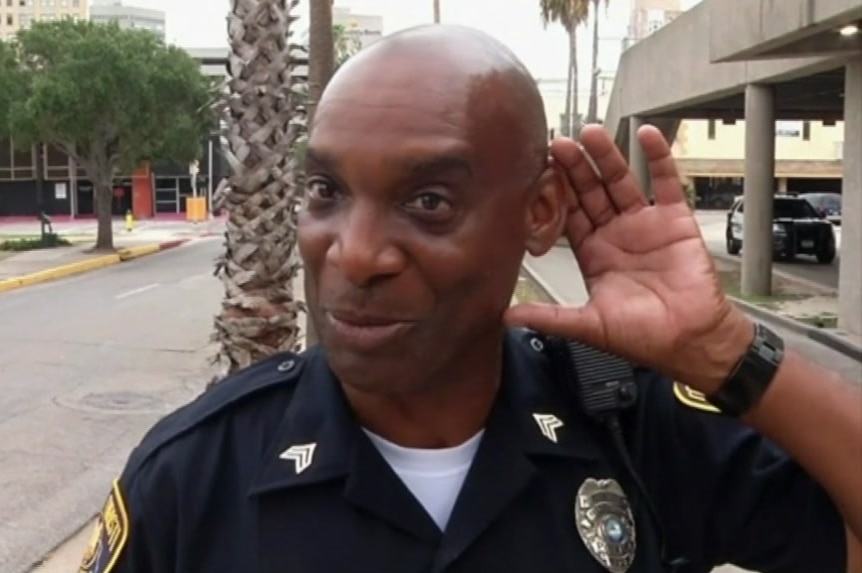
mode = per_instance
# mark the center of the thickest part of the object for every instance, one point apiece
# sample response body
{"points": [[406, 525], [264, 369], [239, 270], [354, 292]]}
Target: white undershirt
{"points": [[433, 476]]}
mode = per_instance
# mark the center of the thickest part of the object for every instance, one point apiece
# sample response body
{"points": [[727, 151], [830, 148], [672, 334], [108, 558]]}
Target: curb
{"points": [[819, 335], [821, 288], [63, 271]]}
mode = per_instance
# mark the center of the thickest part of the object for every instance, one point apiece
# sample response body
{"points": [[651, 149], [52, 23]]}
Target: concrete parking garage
{"points": [[758, 61]]}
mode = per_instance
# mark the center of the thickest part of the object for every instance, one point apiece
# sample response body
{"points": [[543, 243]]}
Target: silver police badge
{"points": [[605, 523]]}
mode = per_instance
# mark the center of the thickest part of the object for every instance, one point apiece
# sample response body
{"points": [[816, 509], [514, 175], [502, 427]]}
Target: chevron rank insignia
{"points": [[109, 535], [692, 398], [548, 424], [301, 455]]}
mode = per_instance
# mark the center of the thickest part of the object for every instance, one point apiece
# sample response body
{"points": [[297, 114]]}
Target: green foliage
{"points": [[109, 97], [568, 13], [346, 45], [49, 241], [11, 83]]}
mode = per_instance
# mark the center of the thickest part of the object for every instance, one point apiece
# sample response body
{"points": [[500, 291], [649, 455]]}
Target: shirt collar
{"points": [[317, 438]]}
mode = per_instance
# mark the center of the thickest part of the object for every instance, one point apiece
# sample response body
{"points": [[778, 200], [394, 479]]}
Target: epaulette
{"points": [[279, 370]]}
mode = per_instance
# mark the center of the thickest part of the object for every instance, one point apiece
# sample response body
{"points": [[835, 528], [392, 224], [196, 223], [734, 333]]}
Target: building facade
{"points": [[128, 16], [364, 29], [19, 14], [57, 186]]}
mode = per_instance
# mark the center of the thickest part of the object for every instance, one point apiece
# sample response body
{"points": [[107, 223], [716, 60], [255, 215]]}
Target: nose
{"points": [[364, 250]]}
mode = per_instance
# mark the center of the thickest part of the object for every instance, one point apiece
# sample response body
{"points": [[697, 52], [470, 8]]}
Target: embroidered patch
{"points": [[692, 398], [109, 535]]}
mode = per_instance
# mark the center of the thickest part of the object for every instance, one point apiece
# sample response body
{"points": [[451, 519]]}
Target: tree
{"points": [[10, 84], [321, 50], [266, 122], [109, 98], [570, 14], [346, 46], [592, 108], [436, 11]]}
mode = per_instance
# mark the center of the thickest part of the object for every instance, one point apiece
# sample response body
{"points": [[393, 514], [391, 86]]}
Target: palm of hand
{"points": [[652, 285]]}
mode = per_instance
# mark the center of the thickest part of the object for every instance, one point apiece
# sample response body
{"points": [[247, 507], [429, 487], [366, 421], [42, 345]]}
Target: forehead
{"points": [[405, 107]]}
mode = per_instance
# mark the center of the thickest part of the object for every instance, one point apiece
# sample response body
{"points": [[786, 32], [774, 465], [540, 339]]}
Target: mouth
{"points": [[365, 332]]}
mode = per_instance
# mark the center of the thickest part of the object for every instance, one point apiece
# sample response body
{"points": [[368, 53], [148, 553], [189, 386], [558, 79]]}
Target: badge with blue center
{"points": [[605, 523]]}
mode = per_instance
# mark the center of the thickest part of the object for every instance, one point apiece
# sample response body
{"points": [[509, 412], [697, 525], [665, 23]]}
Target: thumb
{"points": [[581, 324]]}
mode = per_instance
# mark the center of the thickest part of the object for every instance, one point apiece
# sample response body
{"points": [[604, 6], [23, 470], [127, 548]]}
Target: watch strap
{"points": [[752, 375]]}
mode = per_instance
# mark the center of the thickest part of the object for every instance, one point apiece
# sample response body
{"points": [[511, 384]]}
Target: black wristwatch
{"points": [[752, 375]]}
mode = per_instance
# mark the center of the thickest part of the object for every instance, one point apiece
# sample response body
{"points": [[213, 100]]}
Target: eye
{"points": [[429, 203], [318, 189]]}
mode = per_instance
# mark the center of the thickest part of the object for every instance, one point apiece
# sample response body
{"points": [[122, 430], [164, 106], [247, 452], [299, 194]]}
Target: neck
{"points": [[451, 408]]}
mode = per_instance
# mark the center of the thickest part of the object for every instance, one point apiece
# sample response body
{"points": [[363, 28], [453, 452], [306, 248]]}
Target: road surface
{"points": [[89, 364], [713, 226]]}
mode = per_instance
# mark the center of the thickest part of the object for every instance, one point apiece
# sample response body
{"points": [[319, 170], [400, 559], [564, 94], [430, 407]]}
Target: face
{"points": [[415, 224]]}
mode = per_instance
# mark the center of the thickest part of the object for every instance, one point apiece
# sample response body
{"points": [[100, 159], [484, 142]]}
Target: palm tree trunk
{"points": [[436, 11], [575, 118], [321, 50], [259, 312], [566, 127], [593, 109]]}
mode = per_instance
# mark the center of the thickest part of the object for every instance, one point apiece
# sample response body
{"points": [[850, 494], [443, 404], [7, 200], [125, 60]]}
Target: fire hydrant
{"points": [[130, 221]]}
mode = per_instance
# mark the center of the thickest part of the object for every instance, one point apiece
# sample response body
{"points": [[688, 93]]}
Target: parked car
{"points": [[827, 204], [797, 229]]}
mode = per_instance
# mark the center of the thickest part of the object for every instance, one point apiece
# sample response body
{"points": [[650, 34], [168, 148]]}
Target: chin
{"points": [[389, 374]]}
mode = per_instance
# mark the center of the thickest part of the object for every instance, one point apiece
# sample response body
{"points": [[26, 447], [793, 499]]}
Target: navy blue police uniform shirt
{"points": [[270, 472]]}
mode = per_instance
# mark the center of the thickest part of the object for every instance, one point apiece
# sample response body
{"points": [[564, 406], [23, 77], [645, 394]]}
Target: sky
{"points": [[198, 23]]}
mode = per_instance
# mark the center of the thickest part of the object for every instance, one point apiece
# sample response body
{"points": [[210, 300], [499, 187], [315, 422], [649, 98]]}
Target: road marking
{"points": [[133, 292]]}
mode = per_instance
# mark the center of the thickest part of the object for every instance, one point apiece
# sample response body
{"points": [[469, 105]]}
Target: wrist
{"points": [[722, 351]]}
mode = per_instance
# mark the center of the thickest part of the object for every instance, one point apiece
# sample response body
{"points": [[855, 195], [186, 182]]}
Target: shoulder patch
{"points": [[693, 398], [110, 535]]}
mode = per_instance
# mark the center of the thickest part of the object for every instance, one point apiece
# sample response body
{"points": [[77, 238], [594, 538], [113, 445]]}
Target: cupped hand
{"points": [[654, 294]]}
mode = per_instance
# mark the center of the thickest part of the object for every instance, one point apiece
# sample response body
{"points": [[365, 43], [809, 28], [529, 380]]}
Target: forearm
{"points": [[816, 416]]}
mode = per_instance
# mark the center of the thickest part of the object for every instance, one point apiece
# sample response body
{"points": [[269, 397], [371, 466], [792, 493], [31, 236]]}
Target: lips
{"points": [[365, 332]]}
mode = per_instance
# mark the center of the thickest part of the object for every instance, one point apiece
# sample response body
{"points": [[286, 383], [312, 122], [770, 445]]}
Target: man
{"points": [[424, 435]]}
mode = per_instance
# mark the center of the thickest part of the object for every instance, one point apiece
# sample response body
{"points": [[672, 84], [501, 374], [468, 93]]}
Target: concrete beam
{"points": [[773, 28], [758, 189], [645, 88], [850, 271]]}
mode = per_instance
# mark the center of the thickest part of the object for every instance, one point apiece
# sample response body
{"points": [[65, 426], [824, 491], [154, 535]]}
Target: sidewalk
{"points": [[558, 274], [31, 267]]}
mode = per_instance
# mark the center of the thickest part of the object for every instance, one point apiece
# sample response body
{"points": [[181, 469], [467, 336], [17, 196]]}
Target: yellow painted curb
{"points": [[59, 272], [130, 253]]}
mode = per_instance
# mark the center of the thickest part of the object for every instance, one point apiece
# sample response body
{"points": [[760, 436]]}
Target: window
{"points": [[806, 131], [25, 20], [793, 209], [10, 21], [710, 129], [25, 2]]}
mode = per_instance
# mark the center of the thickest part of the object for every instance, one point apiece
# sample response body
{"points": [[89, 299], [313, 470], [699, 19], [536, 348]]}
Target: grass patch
{"points": [[782, 290], [528, 290], [21, 244]]}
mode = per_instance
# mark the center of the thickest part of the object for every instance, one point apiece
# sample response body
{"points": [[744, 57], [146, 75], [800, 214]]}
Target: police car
{"points": [[797, 229]]}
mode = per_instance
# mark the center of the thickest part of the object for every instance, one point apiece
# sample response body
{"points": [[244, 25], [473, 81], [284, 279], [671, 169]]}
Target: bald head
{"points": [[457, 73]]}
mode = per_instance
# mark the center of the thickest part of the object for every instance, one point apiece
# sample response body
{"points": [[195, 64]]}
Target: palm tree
{"points": [[570, 14], [321, 50], [593, 107], [264, 122]]}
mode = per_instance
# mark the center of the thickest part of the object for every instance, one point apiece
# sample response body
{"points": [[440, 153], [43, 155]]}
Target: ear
{"points": [[546, 212]]}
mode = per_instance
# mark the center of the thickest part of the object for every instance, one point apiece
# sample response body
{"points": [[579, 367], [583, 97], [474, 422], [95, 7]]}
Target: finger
{"points": [[621, 185], [581, 324], [664, 175], [585, 181], [577, 224]]}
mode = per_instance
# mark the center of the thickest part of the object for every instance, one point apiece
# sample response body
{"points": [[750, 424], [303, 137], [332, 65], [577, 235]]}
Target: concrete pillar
{"points": [[637, 160], [758, 189], [782, 185], [850, 271]]}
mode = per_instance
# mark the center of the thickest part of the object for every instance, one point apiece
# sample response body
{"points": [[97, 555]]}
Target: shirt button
{"points": [[286, 366]]}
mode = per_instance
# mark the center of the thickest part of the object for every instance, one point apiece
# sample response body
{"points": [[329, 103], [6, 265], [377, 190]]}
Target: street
{"points": [[89, 364], [713, 225]]}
